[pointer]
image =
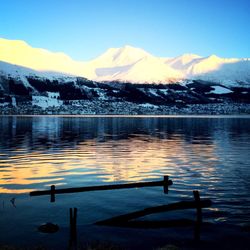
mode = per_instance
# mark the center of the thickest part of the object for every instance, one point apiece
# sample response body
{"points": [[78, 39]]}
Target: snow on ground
{"points": [[220, 90], [153, 92], [13, 100], [164, 91], [148, 105], [101, 94], [47, 101], [21, 73]]}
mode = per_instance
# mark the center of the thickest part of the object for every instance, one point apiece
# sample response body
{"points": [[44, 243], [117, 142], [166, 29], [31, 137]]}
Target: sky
{"points": [[84, 29]]}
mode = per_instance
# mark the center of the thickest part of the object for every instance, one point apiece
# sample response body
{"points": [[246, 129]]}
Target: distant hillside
{"points": [[28, 89]]}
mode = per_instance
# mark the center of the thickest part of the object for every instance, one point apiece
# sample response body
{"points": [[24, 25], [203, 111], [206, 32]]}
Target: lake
{"points": [[209, 154]]}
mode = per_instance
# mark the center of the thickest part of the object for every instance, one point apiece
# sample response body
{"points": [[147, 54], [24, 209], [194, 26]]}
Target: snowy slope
{"points": [[17, 71], [136, 65], [132, 65], [214, 68], [20, 73], [20, 53], [115, 57], [182, 62]]}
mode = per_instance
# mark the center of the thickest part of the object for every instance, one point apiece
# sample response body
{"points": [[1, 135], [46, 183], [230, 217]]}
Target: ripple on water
{"points": [[209, 155]]}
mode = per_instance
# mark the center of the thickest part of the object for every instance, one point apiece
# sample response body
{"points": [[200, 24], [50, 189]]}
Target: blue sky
{"points": [[84, 29]]}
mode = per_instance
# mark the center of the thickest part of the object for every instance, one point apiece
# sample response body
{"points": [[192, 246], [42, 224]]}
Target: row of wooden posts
{"points": [[127, 220], [53, 191]]}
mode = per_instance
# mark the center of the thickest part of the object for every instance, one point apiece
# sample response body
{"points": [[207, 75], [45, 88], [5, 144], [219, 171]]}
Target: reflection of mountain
{"points": [[38, 151], [43, 133]]}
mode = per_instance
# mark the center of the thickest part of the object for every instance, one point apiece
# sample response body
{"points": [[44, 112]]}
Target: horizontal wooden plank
{"points": [[103, 187]]}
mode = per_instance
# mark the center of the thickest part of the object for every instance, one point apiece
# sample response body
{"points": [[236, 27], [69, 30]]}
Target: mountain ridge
{"points": [[128, 64]]}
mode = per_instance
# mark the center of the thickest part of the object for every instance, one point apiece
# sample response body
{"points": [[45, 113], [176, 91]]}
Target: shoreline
{"points": [[213, 236], [128, 109], [223, 116]]}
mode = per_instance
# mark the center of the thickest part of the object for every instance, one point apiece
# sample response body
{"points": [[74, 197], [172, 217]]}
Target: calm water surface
{"points": [[206, 154]]}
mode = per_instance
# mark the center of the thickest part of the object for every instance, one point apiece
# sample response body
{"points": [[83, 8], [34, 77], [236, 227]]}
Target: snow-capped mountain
{"points": [[132, 65], [214, 68], [127, 64], [20, 53]]}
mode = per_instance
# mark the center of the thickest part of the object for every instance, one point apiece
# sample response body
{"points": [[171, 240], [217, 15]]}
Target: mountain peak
{"points": [[123, 56], [213, 57], [132, 49]]}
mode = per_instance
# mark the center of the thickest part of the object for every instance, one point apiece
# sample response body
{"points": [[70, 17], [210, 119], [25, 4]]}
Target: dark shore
{"points": [[129, 108], [213, 236]]}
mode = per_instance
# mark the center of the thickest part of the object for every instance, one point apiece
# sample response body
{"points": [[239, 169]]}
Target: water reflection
{"points": [[208, 154], [40, 151]]}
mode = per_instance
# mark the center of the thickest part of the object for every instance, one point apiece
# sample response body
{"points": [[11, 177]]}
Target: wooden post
{"points": [[165, 184], [197, 228], [73, 221], [70, 218], [52, 193]]}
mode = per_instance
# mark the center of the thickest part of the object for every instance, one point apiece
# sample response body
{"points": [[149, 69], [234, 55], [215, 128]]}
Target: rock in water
{"points": [[48, 228]]}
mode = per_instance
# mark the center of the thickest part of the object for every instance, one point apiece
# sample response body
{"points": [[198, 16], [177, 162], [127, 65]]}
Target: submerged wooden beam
{"points": [[153, 224], [152, 210], [163, 183]]}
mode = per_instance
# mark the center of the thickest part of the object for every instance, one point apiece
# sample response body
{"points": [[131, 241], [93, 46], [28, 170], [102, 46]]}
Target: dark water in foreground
{"points": [[206, 154]]}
